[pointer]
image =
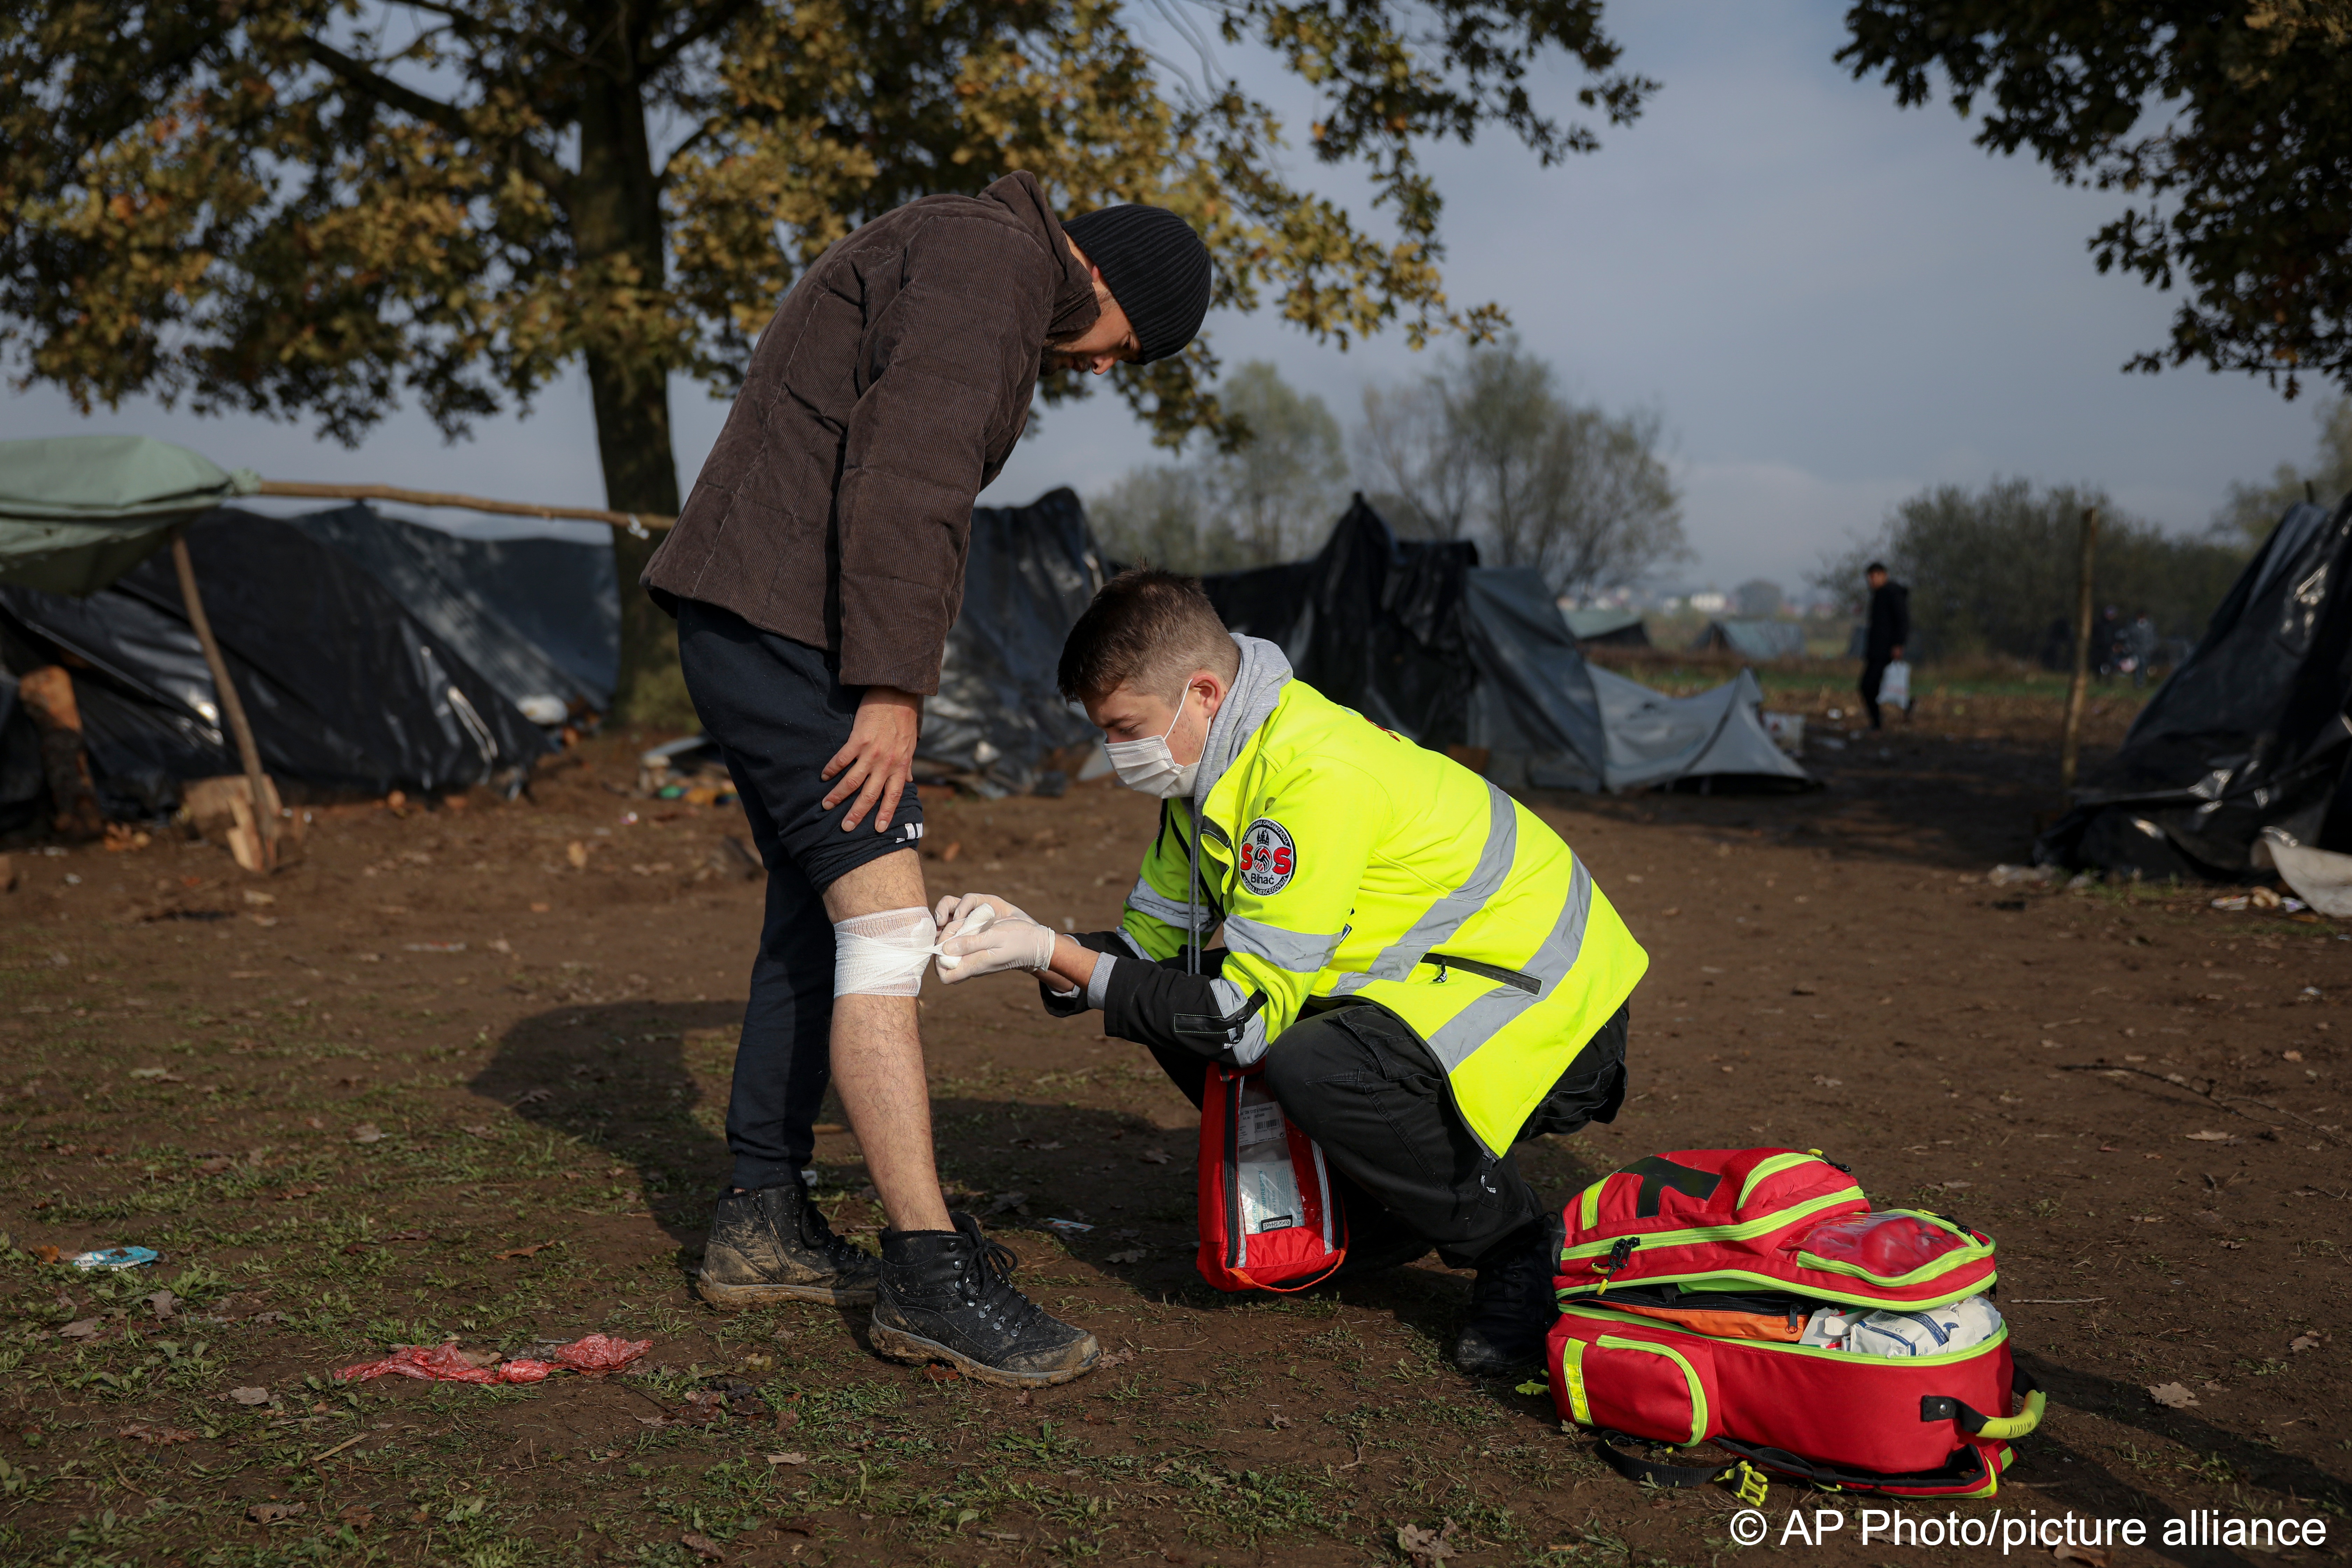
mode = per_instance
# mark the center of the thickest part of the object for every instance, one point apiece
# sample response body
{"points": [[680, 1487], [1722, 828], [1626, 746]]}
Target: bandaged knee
{"points": [[882, 954]]}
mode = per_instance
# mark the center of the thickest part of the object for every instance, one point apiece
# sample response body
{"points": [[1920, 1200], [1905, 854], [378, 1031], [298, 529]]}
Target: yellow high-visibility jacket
{"points": [[1345, 861]]}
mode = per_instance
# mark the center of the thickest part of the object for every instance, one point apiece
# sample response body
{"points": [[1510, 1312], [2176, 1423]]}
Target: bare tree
{"points": [[1488, 448], [1270, 498], [1405, 449], [1277, 490]]}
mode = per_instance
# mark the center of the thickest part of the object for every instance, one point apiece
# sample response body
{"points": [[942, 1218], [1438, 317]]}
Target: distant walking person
{"points": [[1890, 628]]}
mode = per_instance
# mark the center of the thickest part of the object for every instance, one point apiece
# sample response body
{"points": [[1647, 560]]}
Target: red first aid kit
{"points": [[1269, 1220], [1687, 1281]]}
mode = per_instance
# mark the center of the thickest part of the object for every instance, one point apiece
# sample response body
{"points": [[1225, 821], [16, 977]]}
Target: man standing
{"points": [[1427, 974], [1890, 628], [814, 572]]}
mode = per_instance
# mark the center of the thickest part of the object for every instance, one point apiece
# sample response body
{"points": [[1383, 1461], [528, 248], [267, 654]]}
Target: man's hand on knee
{"points": [[878, 761]]}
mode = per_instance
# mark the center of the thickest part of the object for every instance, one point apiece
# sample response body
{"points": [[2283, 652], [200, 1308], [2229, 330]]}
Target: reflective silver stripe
{"points": [[1287, 950], [1486, 1016], [1146, 899], [1133, 946], [1445, 917], [1232, 999]]}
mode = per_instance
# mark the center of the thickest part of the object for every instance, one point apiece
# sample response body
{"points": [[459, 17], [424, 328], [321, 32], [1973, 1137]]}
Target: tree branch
{"points": [[657, 56], [532, 162]]}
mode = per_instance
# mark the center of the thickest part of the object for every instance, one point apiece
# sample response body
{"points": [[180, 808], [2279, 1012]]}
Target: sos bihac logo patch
{"points": [[1268, 858]]}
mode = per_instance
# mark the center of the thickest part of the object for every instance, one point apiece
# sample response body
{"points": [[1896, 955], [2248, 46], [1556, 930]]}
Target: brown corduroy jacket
{"points": [[836, 509]]}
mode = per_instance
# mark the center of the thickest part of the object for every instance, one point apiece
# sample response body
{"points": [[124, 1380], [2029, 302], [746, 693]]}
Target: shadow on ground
{"points": [[624, 1080]]}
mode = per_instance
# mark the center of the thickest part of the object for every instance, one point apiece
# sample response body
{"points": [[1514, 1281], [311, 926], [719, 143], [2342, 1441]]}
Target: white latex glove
{"points": [[981, 933]]}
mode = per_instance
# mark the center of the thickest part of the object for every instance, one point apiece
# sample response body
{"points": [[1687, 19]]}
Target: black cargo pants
{"points": [[1358, 1080]]}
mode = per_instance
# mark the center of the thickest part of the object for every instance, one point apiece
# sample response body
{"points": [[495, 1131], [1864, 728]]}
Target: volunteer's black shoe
{"points": [[948, 1295], [773, 1245], [1377, 1256], [1511, 1306]]}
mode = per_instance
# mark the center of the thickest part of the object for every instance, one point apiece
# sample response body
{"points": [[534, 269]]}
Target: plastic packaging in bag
{"points": [[1930, 1330]]}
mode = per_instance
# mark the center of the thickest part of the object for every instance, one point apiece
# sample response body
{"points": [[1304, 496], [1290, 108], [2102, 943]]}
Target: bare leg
{"points": [[877, 1059]]}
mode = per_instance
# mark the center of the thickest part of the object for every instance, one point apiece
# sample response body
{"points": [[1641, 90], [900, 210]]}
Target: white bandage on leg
{"points": [[882, 954]]}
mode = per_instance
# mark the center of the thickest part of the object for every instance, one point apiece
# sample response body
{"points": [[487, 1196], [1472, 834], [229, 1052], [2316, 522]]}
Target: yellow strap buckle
{"points": [[1747, 1483]]}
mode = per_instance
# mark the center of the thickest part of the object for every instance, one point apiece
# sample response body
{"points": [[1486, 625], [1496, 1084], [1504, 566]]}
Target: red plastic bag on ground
{"points": [[446, 1363], [593, 1356]]}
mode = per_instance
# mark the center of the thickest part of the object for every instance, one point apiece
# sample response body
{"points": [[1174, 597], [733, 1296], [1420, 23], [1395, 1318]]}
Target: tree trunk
{"points": [[615, 214]]}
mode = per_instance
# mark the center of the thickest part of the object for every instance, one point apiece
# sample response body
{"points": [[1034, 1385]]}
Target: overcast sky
{"points": [[1831, 303]]}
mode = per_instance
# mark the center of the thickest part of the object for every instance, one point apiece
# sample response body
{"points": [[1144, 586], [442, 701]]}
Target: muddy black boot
{"points": [[1511, 1306], [774, 1245], [948, 1295]]}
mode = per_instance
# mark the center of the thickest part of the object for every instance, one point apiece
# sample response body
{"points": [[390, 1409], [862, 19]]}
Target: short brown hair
{"points": [[1147, 629]]}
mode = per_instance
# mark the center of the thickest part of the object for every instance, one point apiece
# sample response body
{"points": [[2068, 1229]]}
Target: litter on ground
{"points": [[593, 1355], [115, 1257]]}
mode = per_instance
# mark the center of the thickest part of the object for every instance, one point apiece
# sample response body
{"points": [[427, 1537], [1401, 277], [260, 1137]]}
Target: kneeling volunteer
{"points": [[1426, 971]]}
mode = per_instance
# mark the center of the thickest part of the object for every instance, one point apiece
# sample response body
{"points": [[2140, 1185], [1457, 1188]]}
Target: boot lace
{"points": [[985, 1283], [817, 1233]]}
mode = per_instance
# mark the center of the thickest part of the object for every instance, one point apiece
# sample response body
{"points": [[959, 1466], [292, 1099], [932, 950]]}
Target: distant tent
{"points": [[1609, 628], [539, 618], [1029, 575], [344, 688], [1548, 718], [1419, 638], [2253, 731], [1754, 639]]}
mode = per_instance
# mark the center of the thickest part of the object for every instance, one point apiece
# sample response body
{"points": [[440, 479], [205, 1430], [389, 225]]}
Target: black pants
{"points": [[1874, 674], [1358, 1081], [778, 711]]}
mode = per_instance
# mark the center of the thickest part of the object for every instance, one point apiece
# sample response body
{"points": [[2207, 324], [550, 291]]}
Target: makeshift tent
{"points": [[1028, 577], [1420, 638], [539, 618], [77, 512], [1609, 628], [345, 690], [2253, 731], [1548, 718], [1756, 638]]}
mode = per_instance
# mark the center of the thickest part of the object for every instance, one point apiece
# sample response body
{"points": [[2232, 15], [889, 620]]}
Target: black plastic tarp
{"points": [[2250, 731], [539, 618], [345, 690], [1029, 575], [1372, 621]]}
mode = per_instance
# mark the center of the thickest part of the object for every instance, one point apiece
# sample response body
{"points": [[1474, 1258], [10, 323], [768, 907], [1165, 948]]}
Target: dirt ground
{"points": [[443, 1080]]}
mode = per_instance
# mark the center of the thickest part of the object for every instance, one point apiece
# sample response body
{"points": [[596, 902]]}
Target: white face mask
{"points": [[1149, 767]]}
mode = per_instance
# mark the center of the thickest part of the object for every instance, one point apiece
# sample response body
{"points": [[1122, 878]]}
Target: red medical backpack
{"points": [[1269, 1220], [1684, 1281]]}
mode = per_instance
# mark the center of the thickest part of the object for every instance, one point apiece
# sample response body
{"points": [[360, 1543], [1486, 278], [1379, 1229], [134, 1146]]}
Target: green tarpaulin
{"points": [[77, 512]]}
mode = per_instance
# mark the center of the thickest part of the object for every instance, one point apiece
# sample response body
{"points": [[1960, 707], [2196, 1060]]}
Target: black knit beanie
{"points": [[1155, 267]]}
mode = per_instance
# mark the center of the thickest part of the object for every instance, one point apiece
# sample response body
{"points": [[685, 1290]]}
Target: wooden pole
{"points": [[265, 799], [2071, 748], [638, 520]]}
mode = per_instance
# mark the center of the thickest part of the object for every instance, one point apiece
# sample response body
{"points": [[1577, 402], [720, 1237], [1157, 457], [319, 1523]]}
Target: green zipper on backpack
{"points": [[1747, 1231], [1717, 1279], [1943, 1358]]}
